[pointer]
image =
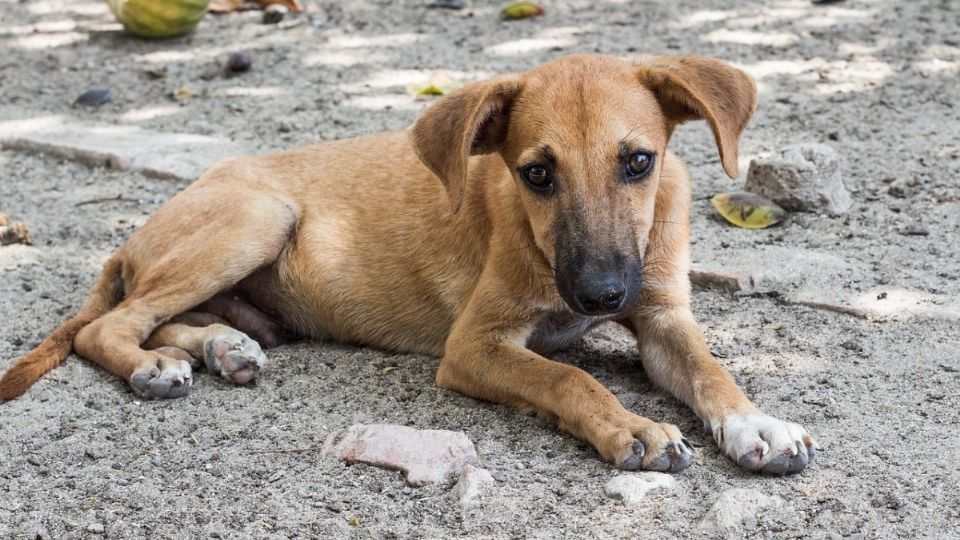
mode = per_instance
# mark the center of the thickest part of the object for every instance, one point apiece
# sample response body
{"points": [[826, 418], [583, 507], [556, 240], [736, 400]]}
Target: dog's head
{"points": [[585, 137]]}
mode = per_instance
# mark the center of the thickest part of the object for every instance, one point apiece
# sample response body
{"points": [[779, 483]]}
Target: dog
{"points": [[515, 215]]}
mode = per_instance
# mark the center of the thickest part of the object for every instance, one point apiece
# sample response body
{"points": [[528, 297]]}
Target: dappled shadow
{"points": [[876, 79]]}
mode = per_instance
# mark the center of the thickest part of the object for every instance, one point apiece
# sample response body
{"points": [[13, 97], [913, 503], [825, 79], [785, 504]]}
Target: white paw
{"points": [[168, 378], [757, 442]]}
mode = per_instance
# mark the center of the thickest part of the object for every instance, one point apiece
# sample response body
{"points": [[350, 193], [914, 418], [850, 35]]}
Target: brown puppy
{"points": [[562, 209]]}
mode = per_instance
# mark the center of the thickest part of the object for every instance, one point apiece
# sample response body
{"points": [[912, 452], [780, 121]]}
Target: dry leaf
{"points": [[182, 93], [226, 6], [748, 210], [521, 10], [438, 85], [13, 233]]}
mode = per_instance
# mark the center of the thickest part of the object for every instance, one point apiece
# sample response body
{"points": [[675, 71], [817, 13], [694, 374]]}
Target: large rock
{"points": [[423, 455], [180, 156], [817, 279], [633, 488], [802, 177]]}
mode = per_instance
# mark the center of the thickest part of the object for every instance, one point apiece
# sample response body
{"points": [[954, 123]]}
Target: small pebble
{"points": [[632, 488], [94, 97], [239, 62], [448, 4], [914, 230], [319, 18], [274, 14], [157, 72], [96, 528]]}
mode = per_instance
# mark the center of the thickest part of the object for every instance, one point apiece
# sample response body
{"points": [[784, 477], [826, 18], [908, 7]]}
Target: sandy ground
{"points": [[877, 80]]}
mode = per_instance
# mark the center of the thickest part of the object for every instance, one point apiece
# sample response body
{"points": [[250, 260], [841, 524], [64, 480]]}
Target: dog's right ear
{"points": [[472, 120]]}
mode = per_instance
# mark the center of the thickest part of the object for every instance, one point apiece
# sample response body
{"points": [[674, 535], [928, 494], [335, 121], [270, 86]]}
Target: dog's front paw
{"points": [[757, 442], [654, 447]]}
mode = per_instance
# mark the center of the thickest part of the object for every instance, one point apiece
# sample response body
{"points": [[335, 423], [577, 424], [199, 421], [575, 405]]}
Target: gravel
{"points": [[876, 80]]}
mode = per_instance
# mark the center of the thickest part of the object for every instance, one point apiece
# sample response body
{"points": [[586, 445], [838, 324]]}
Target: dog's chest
{"points": [[560, 329]]}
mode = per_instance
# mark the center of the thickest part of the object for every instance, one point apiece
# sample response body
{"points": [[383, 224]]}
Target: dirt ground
{"points": [[80, 456]]}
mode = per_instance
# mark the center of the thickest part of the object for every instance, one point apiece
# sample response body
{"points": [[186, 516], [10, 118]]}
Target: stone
{"points": [[473, 482], [633, 488], [717, 278], [96, 528], [769, 269], [179, 156], [818, 280], [424, 456], [737, 508], [448, 4], [804, 177], [274, 13]]}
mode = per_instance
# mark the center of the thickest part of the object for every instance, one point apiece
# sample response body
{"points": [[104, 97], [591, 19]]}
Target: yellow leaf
{"points": [[438, 85], [353, 522], [182, 93], [521, 10], [387, 369], [748, 210]]}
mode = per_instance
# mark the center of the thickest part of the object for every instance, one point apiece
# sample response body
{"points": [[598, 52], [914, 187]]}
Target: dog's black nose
{"points": [[601, 295]]}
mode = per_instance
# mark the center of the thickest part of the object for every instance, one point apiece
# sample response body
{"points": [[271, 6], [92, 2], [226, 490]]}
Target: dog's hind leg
{"points": [[192, 248]]}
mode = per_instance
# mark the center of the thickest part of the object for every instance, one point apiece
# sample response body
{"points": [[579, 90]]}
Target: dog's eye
{"points": [[639, 165], [537, 177]]}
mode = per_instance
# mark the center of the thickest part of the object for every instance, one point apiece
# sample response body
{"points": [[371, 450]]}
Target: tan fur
{"points": [[355, 240]]}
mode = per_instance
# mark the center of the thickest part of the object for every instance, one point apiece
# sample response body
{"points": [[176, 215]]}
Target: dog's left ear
{"points": [[472, 120], [694, 88]]}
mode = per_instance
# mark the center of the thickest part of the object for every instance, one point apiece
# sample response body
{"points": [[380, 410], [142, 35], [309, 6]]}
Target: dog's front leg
{"points": [[676, 357], [486, 358]]}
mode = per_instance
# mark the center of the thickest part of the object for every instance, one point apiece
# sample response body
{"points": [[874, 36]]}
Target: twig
{"points": [[288, 451], [107, 199], [843, 310]]}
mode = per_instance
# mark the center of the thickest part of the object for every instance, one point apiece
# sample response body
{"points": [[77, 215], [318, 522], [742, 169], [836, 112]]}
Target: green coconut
{"points": [[158, 18]]}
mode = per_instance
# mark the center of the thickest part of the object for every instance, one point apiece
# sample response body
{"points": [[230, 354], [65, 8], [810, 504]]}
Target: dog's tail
{"points": [[52, 351]]}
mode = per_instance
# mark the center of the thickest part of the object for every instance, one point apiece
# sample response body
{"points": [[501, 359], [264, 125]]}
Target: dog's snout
{"points": [[603, 294]]}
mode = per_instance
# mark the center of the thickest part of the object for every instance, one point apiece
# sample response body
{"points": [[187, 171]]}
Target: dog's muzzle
{"points": [[597, 292]]}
